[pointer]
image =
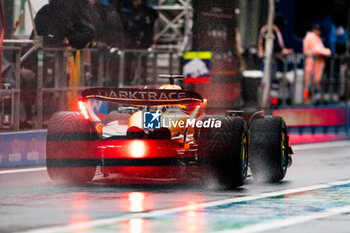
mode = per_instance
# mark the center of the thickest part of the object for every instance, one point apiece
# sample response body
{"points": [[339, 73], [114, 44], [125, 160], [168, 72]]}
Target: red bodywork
{"points": [[149, 160], [143, 160]]}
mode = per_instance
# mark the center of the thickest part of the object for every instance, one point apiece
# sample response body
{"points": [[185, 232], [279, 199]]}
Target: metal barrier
{"points": [[59, 72], [10, 94], [289, 77], [7, 108]]}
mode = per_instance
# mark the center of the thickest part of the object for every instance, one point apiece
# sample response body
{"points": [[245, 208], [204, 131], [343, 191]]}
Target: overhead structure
{"points": [[174, 27]]}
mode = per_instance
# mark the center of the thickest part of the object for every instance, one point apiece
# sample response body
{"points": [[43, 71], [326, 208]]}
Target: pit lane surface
{"points": [[314, 197]]}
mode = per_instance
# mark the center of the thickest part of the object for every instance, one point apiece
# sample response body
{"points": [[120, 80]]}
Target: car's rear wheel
{"points": [[70, 148], [268, 148], [226, 148]]}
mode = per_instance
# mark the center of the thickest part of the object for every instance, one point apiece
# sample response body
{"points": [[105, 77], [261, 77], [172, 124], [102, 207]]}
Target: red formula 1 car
{"points": [[163, 136]]}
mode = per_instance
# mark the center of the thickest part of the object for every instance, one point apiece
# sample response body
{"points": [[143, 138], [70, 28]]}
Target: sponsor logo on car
{"points": [[142, 95]]}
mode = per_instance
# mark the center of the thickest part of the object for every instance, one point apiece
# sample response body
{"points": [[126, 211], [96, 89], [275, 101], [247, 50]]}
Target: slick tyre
{"points": [[70, 148], [268, 148], [226, 150]]}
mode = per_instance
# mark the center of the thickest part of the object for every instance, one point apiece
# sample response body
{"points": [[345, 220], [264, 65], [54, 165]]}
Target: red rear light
{"points": [[137, 149], [83, 109], [274, 101]]}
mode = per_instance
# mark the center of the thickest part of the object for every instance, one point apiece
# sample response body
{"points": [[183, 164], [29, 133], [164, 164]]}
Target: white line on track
{"points": [[277, 224], [268, 226], [14, 171]]}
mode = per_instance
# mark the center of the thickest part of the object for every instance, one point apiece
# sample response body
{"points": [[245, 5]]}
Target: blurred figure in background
{"points": [[342, 35], [279, 52], [315, 51], [279, 48], [340, 66], [109, 34], [328, 31], [139, 19], [108, 24], [61, 23]]}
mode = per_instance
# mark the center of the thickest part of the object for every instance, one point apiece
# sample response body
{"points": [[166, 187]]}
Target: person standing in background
{"points": [[279, 52], [328, 30], [342, 35], [74, 18], [139, 19], [315, 51], [108, 24], [109, 34], [340, 66], [279, 48], [61, 23]]}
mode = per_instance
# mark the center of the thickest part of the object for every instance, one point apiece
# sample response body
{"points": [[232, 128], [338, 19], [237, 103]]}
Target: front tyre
{"points": [[268, 148], [70, 148]]}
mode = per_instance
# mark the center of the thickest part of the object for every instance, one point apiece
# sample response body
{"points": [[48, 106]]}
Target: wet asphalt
{"points": [[31, 201]]}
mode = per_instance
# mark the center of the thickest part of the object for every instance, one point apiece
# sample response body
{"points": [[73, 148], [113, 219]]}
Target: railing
{"points": [[61, 72], [58, 74], [288, 81], [10, 93]]}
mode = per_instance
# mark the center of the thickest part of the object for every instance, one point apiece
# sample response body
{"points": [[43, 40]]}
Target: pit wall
{"points": [[305, 125], [22, 149], [310, 125]]}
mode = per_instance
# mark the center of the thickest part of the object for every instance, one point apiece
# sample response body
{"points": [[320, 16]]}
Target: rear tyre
{"points": [[268, 148], [226, 149], [70, 148]]}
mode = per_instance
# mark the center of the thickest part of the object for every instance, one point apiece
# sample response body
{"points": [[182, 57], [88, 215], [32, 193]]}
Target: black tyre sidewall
{"points": [[265, 151], [70, 136], [223, 149]]}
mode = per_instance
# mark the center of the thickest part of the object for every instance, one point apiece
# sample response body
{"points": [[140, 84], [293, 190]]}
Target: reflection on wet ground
{"points": [[81, 204], [230, 216], [30, 200]]}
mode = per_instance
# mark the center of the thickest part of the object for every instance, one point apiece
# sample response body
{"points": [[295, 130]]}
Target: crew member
{"points": [[61, 23]]}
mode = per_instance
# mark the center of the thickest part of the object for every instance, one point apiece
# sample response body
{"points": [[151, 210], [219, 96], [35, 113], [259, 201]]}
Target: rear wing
{"points": [[142, 97]]}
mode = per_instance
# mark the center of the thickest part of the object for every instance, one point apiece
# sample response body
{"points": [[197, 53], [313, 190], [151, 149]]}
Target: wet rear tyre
{"points": [[226, 150], [268, 148], [70, 148]]}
